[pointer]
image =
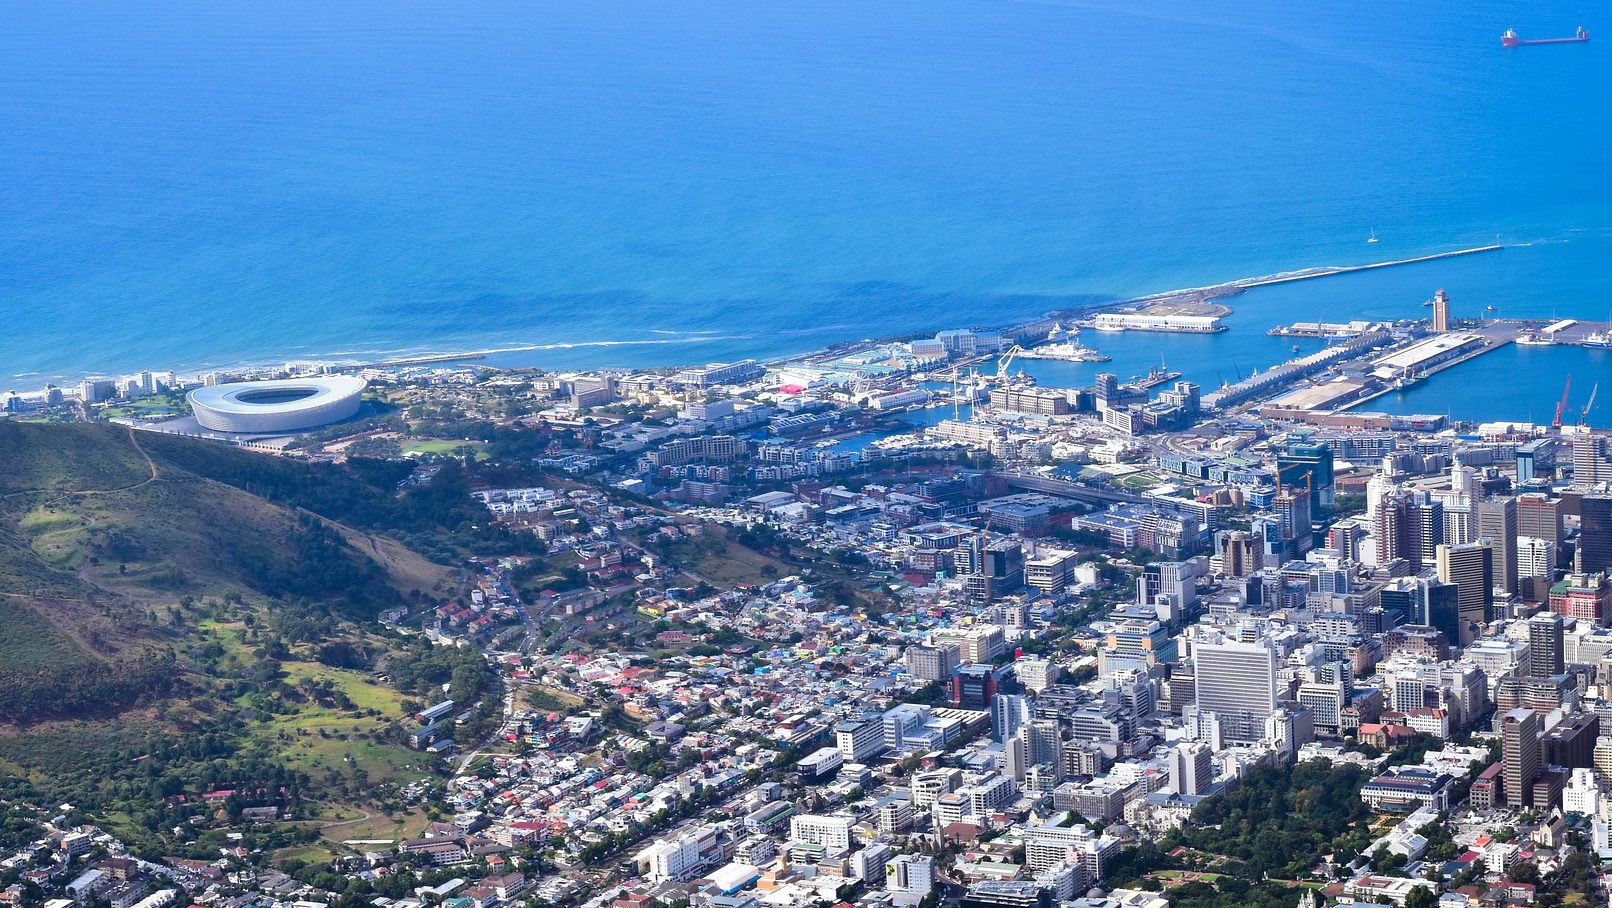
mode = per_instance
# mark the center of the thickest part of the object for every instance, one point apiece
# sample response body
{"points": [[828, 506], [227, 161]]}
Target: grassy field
{"points": [[57, 534], [724, 563], [419, 446], [145, 407], [320, 737], [541, 696]]}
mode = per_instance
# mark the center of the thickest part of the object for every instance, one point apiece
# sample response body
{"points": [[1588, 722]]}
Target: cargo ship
{"points": [[1510, 39]]}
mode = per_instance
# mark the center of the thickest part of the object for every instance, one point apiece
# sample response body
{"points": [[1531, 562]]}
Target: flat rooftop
{"points": [[1422, 351], [1319, 397]]}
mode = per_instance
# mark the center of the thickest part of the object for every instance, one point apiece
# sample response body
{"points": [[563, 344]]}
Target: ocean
{"points": [[601, 182]]}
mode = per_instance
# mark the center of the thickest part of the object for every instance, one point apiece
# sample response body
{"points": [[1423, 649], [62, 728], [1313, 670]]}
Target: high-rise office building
{"points": [[1536, 460], [1237, 682], [1425, 602], [1536, 568], [1497, 520], [1540, 516], [1009, 712], [1036, 674], [1594, 552], [1307, 465], [1105, 387], [1403, 600], [1240, 553], [1545, 645], [1471, 568], [1191, 768], [1442, 609], [1592, 459], [1385, 512], [1519, 756], [931, 663], [1292, 509], [1422, 529]]}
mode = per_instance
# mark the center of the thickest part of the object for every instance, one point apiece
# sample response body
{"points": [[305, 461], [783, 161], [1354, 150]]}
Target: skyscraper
{"points": [[1385, 512], [1545, 645], [1497, 520], [1423, 530], [1592, 459], [1237, 682], [1595, 534], [1307, 465], [1471, 568], [1292, 508], [1540, 516], [1442, 602], [1009, 712], [1519, 749]]}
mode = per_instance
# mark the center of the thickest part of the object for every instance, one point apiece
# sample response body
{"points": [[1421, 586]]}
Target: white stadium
{"points": [[289, 405]]}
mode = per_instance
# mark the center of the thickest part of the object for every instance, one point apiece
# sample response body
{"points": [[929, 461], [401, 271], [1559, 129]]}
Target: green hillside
{"points": [[202, 613], [101, 529]]}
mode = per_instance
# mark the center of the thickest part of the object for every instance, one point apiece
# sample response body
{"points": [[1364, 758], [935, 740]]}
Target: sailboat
{"points": [[1373, 236]]}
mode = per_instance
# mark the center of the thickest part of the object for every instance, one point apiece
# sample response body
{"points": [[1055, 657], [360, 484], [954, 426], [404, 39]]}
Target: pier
{"points": [[1330, 270], [1371, 374], [1197, 299]]}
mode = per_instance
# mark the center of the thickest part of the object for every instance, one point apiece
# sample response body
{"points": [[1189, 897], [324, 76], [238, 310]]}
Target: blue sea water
{"points": [[636, 182]]}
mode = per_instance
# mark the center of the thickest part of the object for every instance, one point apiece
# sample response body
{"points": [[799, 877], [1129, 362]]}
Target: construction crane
{"points": [[1584, 414], [1561, 405]]}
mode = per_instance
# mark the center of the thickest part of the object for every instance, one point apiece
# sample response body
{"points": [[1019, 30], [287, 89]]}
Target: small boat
{"points": [[1510, 39], [1598, 340], [1373, 236], [1528, 339]]}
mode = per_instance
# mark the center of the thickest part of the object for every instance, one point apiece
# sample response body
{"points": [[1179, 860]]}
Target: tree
{"points": [[1524, 872], [1420, 897]]}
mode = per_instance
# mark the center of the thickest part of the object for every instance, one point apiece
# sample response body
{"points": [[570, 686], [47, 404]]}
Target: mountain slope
{"points": [[99, 526]]}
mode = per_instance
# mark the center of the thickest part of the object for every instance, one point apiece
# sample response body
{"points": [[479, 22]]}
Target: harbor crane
{"points": [[1005, 361], [1584, 414], [1562, 404]]}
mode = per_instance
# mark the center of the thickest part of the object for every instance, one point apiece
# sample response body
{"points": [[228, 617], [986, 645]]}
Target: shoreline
{"points": [[1192, 296]]}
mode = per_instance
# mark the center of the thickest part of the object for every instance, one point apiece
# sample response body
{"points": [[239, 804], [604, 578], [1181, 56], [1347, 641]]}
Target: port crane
{"points": [[1562, 404], [1005, 361], [1584, 414]]}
